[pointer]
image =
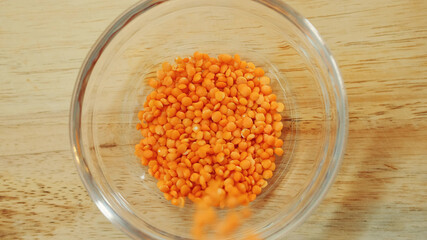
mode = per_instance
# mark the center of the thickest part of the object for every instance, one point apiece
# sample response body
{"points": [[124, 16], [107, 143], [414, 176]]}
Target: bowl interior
{"points": [[114, 89]]}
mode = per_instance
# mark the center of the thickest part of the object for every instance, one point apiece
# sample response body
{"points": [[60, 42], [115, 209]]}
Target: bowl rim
{"points": [[99, 198]]}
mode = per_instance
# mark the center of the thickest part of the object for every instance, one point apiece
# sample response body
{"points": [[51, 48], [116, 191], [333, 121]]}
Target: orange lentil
{"points": [[243, 101], [278, 151], [280, 107], [244, 90], [254, 96], [216, 116], [231, 126], [219, 96], [245, 164], [214, 68], [186, 101], [153, 83], [259, 72], [247, 122], [278, 143], [264, 80], [266, 89]]}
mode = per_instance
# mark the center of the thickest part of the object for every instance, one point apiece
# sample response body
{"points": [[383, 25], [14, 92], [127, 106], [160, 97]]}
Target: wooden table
{"points": [[381, 47]]}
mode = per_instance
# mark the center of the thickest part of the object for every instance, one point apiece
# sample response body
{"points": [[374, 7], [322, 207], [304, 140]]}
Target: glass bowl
{"points": [[111, 88]]}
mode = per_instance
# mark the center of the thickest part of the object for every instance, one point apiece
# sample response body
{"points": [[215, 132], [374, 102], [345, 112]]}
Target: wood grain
{"points": [[381, 47]]}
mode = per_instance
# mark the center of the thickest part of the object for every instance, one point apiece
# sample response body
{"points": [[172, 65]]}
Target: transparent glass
{"points": [[111, 88]]}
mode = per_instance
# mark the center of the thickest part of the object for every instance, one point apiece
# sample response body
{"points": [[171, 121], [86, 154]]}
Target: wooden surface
{"points": [[381, 47]]}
